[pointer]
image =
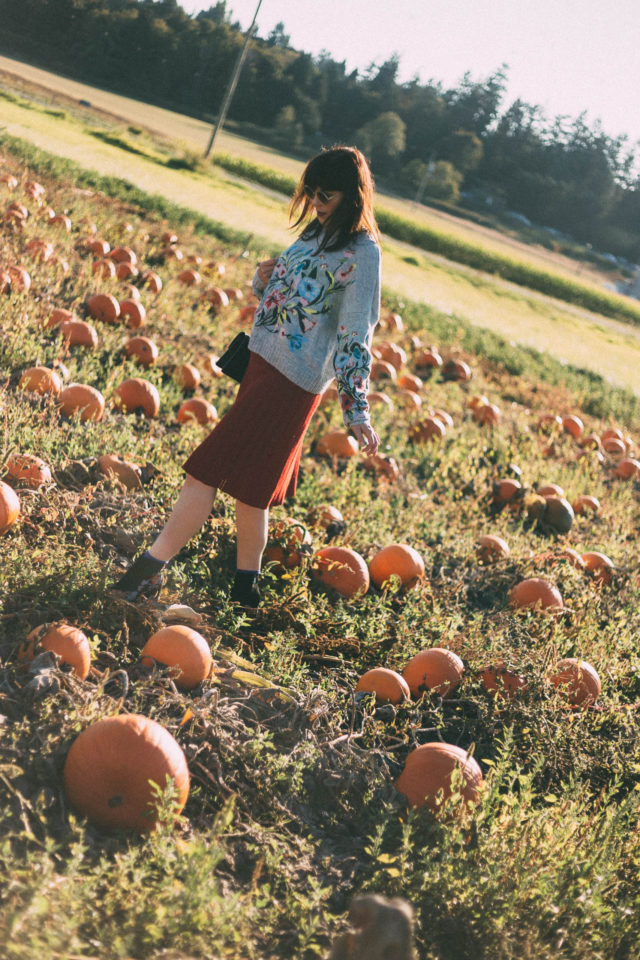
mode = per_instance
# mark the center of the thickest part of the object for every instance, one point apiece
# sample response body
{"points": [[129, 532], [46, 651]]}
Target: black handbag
{"points": [[235, 360]]}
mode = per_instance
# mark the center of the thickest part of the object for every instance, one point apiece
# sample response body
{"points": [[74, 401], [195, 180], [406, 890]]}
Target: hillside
{"points": [[292, 808]]}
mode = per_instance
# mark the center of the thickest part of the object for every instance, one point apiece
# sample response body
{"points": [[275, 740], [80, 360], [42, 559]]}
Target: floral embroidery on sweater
{"points": [[352, 365], [299, 294]]}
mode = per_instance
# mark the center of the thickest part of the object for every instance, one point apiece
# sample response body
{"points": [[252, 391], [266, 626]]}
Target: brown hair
{"points": [[337, 168]]}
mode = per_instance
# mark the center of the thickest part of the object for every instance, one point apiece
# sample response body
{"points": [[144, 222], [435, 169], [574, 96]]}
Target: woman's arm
{"points": [[262, 276], [358, 315]]}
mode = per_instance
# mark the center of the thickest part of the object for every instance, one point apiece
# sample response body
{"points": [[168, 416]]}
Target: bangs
{"points": [[331, 172]]}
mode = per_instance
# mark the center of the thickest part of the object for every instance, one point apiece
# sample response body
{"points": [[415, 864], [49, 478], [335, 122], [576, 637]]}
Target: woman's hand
{"points": [[367, 438], [265, 269]]}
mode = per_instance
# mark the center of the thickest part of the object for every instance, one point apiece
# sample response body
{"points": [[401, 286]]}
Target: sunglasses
{"points": [[322, 195]]}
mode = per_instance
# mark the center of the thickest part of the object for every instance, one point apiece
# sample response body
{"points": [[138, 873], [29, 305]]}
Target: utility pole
{"points": [[222, 116]]}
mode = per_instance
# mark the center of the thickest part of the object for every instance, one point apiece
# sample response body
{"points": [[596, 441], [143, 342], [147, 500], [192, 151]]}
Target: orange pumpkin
{"points": [[550, 490], [535, 593], [197, 409], [573, 425], [490, 548], [628, 469], [580, 679], [393, 354], [585, 504], [151, 280], [103, 306], [456, 370], [9, 506], [216, 298], [427, 360], [397, 560], [126, 270], [328, 518], [388, 686], [409, 381], [187, 376], [98, 247], [41, 380], [337, 443], [497, 679], [614, 446], [184, 650], [132, 313], [127, 473], [20, 279], [110, 767], [31, 470], [103, 268], [385, 467], [191, 278], [123, 255], [57, 316], [137, 394], [434, 669], [79, 333], [68, 642], [428, 771], [429, 428], [289, 542], [142, 349], [82, 399], [599, 565], [341, 569]]}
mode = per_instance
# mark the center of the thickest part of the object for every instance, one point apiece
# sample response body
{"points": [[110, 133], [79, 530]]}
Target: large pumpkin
{"points": [[435, 669], [184, 650], [397, 560], [580, 680], [428, 771], [67, 641], [111, 765], [137, 394], [388, 686], [82, 399], [9, 506], [341, 569]]}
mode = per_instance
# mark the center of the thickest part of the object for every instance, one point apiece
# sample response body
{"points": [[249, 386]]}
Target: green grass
{"points": [[292, 809]]}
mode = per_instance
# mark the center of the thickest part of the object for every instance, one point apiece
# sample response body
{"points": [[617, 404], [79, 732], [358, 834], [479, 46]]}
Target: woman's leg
{"points": [[253, 531], [190, 513], [252, 525]]}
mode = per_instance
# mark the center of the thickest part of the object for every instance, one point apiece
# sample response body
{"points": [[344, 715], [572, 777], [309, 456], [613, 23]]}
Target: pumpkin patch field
{"points": [[439, 697]]}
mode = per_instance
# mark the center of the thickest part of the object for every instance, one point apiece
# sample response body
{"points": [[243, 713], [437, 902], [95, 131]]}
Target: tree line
{"points": [[423, 139]]}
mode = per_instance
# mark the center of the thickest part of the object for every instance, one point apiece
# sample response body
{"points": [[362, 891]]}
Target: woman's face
{"points": [[324, 202]]}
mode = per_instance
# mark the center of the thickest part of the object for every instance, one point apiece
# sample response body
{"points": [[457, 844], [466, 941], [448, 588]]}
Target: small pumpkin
{"points": [[41, 380], [79, 333], [428, 771], [388, 686], [132, 313], [573, 425], [29, 469], [152, 280], [63, 639], [456, 370], [111, 766], [558, 514], [184, 650], [9, 506], [491, 548], [187, 376], [341, 569], [83, 399], [103, 306], [436, 669], [427, 429], [289, 543], [137, 394], [104, 268], [487, 413], [328, 518], [397, 560], [128, 473], [57, 316], [536, 593], [599, 565], [628, 469], [199, 410], [585, 504], [336, 443], [497, 679], [579, 679], [142, 349], [550, 490], [123, 255]]}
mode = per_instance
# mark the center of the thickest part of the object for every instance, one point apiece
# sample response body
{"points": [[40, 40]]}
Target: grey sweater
{"points": [[316, 319]]}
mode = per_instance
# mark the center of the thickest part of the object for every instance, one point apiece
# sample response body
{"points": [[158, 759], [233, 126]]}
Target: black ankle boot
{"points": [[245, 590], [144, 578]]}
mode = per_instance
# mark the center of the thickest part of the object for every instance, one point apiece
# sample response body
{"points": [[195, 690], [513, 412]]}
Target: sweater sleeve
{"points": [[257, 285], [358, 315]]}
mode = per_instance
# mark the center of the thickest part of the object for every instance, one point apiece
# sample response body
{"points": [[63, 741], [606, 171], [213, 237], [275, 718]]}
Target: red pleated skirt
{"points": [[253, 453]]}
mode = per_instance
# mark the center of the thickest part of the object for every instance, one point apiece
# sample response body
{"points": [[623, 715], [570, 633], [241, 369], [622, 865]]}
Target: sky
{"points": [[567, 56]]}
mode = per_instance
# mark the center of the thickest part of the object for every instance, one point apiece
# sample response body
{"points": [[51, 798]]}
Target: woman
{"points": [[320, 302]]}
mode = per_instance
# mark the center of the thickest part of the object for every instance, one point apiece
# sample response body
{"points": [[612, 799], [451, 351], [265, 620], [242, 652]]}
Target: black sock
{"points": [[143, 573], [245, 590]]}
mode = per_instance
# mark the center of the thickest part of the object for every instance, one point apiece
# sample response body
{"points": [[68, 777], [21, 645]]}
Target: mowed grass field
{"points": [[573, 335]]}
